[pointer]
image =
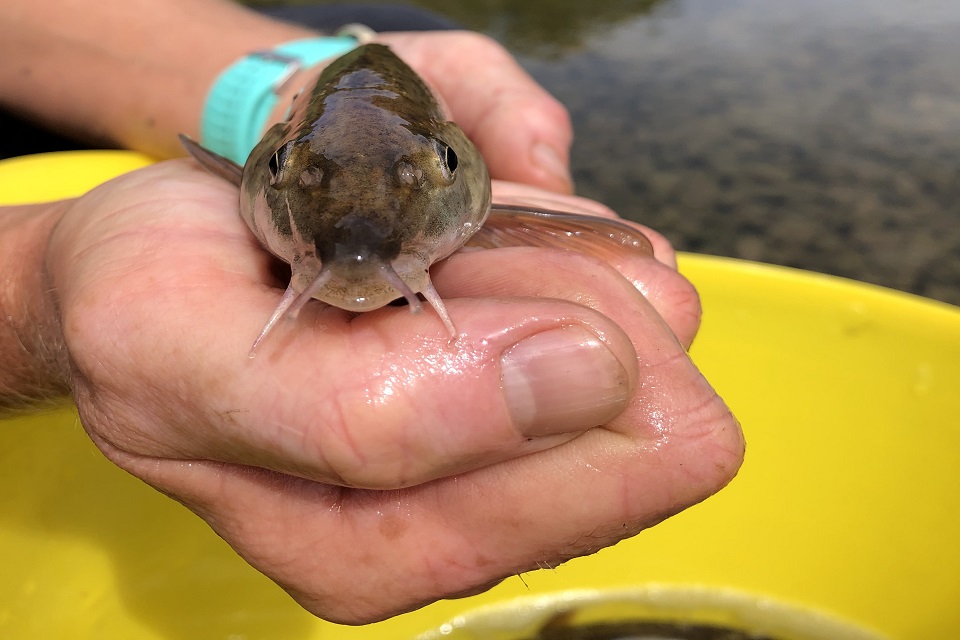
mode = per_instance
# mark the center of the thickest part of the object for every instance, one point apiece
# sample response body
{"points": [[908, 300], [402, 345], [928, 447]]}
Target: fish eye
{"points": [[451, 159], [448, 157], [276, 162]]}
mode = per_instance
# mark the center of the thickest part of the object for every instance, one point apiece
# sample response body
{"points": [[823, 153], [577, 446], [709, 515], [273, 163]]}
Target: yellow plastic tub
{"points": [[848, 503]]}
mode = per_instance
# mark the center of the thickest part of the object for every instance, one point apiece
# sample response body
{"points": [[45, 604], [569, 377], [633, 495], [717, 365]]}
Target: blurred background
{"points": [[822, 135]]}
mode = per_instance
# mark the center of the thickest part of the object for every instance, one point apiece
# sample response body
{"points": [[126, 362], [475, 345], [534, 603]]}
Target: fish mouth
{"points": [[356, 287], [381, 284], [367, 284]]}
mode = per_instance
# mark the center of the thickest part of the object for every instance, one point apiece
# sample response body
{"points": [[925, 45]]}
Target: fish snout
{"points": [[360, 241]]}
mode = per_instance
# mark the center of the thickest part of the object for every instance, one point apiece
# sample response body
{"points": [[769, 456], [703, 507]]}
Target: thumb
{"points": [[386, 400]]}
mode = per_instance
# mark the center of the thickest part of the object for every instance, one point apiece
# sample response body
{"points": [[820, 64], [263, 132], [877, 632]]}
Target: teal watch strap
{"points": [[244, 94]]}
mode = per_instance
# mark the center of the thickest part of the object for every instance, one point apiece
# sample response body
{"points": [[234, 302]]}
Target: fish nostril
{"points": [[356, 238], [311, 177], [409, 175]]}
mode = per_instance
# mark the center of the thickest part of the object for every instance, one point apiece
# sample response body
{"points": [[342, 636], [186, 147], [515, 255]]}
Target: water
{"points": [[824, 136]]}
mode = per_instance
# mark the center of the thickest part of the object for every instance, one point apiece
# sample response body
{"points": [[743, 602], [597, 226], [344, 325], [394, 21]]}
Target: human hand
{"points": [[365, 463]]}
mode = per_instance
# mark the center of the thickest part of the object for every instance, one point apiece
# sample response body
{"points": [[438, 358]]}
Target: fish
{"points": [[366, 184]]}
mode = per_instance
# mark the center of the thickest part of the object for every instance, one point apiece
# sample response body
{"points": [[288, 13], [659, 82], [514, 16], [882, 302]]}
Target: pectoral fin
{"points": [[603, 238], [212, 162]]}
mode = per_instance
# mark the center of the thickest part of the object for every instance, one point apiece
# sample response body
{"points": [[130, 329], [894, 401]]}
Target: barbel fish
{"points": [[366, 184]]}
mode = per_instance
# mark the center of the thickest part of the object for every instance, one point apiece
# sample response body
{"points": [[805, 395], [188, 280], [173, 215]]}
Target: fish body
{"points": [[366, 184]]}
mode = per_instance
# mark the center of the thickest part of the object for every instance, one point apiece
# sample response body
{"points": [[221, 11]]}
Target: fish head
{"points": [[397, 210], [363, 189]]}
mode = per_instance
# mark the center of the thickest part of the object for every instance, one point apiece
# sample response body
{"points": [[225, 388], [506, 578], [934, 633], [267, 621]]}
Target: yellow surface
{"points": [[54, 176], [849, 396]]}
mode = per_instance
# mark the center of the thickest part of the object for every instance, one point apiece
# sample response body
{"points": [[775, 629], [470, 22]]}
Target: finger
{"points": [[522, 131], [381, 400], [674, 445], [216, 299], [329, 546], [273, 431]]}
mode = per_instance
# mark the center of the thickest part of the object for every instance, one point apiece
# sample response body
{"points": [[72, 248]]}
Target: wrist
{"points": [[250, 93], [34, 370]]}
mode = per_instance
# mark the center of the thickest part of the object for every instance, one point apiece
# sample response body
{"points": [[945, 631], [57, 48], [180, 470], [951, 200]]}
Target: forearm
{"points": [[33, 363], [128, 74]]}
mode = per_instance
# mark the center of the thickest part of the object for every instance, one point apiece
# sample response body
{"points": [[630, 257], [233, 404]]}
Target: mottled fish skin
{"points": [[365, 185]]}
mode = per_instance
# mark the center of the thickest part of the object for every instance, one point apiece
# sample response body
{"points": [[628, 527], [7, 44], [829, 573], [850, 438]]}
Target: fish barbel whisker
{"points": [[430, 293], [311, 290], [290, 305], [392, 278]]}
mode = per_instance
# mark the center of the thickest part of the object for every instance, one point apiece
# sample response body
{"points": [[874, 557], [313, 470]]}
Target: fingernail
{"points": [[562, 380], [549, 160]]}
